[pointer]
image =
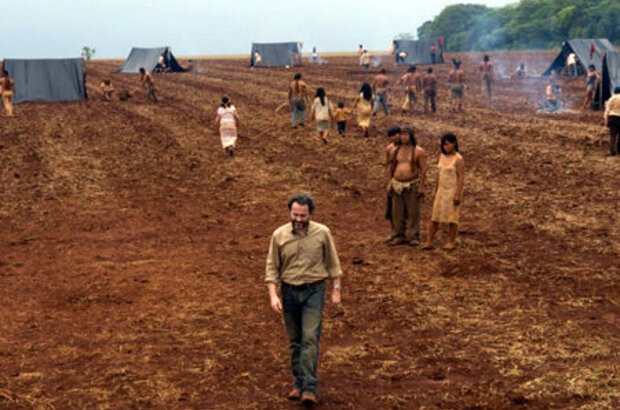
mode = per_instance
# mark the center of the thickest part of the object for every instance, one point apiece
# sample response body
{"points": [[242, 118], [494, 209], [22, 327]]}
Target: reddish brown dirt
{"points": [[132, 251]]}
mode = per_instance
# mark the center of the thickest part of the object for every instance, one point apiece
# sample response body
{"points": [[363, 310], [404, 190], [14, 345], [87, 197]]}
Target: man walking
{"points": [[486, 74], [429, 83], [380, 89], [146, 80], [412, 82], [406, 174], [301, 256], [298, 98]]}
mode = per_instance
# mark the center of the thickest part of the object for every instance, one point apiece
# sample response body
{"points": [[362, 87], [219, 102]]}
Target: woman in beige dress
{"points": [[448, 191], [227, 121], [363, 103]]}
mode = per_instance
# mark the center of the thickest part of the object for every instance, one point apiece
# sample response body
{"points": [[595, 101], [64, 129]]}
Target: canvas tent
{"points": [[611, 73], [47, 79], [276, 54], [582, 49], [417, 51], [148, 58]]}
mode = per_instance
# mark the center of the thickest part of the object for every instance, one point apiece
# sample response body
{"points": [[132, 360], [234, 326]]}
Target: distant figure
{"points": [[7, 88], [322, 111], [592, 80], [520, 72], [363, 103], [191, 66], [429, 83], [380, 90], [315, 56], [227, 121], [571, 64], [406, 163], [298, 98], [107, 89], [552, 95], [258, 60], [413, 83], [360, 51], [486, 74], [612, 120], [161, 66], [147, 81], [433, 51], [340, 116], [365, 61], [456, 79], [448, 191]]}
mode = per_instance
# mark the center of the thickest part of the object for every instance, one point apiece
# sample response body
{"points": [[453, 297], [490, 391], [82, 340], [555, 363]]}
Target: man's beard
{"points": [[300, 226]]}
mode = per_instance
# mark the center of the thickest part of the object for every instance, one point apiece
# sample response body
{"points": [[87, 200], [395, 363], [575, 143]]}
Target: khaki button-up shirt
{"points": [[297, 259]]}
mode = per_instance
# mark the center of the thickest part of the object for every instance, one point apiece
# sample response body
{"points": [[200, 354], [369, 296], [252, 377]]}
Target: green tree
{"points": [[87, 52]]}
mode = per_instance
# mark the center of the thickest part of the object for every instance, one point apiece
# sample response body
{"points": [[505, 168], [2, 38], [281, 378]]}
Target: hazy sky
{"points": [[60, 28]]}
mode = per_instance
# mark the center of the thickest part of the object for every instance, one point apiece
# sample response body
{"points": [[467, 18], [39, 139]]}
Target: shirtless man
{"points": [[406, 168], [147, 81], [429, 83], [365, 60], [456, 79], [592, 81], [298, 98], [486, 74], [433, 51], [107, 89], [7, 88], [412, 82], [380, 89]]}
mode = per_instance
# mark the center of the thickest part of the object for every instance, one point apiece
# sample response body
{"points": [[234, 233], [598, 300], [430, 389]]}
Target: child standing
{"points": [[322, 112], [340, 116]]}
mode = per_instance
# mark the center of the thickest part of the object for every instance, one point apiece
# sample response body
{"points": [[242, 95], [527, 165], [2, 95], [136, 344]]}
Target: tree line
{"points": [[529, 24]]}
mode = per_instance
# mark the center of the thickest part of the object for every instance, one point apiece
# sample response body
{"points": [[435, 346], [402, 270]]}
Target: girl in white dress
{"points": [[227, 121]]}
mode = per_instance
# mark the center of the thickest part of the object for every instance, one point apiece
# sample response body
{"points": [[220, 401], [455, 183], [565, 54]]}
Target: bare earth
{"points": [[132, 251]]}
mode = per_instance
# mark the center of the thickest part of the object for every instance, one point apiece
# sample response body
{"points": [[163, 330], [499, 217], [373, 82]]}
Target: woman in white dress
{"points": [[227, 121]]}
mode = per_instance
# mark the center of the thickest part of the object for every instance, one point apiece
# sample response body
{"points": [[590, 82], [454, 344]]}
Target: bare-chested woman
{"points": [[406, 166], [412, 82], [456, 79], [298, 98]]}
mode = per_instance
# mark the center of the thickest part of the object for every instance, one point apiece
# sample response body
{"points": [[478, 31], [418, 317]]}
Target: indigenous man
{"points": [[456, 79], [107, 89], [406, 166], [380, 89], [147, 81], [301, 256], [298, 98], [486, 74], [429, 83], [412, 82], [365, 60], [433, 51], [592, 81], [7, 88]]}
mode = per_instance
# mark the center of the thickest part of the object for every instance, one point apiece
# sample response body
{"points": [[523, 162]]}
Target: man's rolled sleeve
{"points": [[272, 268], [332, 262]]}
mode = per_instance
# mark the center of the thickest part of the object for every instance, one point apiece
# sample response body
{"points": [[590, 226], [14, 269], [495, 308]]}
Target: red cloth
{"points": [[592, 50]]}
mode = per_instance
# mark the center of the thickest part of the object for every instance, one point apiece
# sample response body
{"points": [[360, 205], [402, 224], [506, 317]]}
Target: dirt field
{"points": [[132, 251]]}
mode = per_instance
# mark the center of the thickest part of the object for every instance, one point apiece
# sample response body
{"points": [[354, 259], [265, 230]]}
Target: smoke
{"points": [[376, 61]]}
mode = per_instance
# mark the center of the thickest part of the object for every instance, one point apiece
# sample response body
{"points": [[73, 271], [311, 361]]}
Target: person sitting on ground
{"points": [[592, 81], [340, 116], [227, 122], [448, 194], [322, 112], [107, 89], [520, 72], [612, 120], [456, 79], [363, 103]]}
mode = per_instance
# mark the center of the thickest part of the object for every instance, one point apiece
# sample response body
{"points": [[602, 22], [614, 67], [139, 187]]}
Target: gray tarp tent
{"points": [[611, 73], [581, 48], [418, 51], [148, 58], [47, 79], [276, 54]]}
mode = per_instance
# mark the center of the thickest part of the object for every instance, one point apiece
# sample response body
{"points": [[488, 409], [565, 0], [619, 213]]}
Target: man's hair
{"points": [[412, 69], [383, 71], [142, 70], [106, 81], [301, 199], [591, 67], [617, 89], [450, 138], [486, 57], [412, 141], [297, 76], [393, 130], [456, 63], [430, 70], [340, 104]]}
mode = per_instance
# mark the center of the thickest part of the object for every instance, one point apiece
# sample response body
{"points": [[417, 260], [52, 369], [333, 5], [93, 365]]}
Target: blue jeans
{"points": [[298, 111], [303, 316], [381, 100]]}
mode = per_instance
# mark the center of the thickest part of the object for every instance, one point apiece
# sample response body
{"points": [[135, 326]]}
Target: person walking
{"points": [[412, 82], [147, 81], [323, 112], [227, 121], [448, 193], [380, 90], [298, 98], [302, 255], [612, 120], [486, 74], [363, 103], [7, 88], [429, 83], [456, 79]]}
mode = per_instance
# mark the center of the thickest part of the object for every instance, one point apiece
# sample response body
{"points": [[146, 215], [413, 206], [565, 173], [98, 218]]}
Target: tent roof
{"points": [[581, 47], [47, 79], [148, 58], [274, 54], [418, 51]]}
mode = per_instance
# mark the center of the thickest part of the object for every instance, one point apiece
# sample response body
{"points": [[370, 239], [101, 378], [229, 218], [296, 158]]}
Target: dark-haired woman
{"points": [[322, 112], [227, 121], [448, 191], [363, 103]]}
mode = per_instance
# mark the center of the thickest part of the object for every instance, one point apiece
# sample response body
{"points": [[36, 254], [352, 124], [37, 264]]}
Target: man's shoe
{"points": [[294, 395], [309, 399]]}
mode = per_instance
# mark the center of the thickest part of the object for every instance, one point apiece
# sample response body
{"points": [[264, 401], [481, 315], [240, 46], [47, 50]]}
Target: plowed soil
{"points": [[132, 250]]}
